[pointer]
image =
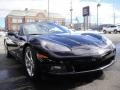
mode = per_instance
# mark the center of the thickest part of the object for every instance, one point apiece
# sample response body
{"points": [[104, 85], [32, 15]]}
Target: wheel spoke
{"points": [[31, 69], [27, 55], [31, 59]]}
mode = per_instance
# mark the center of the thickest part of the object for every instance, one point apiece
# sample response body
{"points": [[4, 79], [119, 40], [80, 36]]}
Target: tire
{"points": [[30, 63], [8, 55], [104, 31], [115, 31]]}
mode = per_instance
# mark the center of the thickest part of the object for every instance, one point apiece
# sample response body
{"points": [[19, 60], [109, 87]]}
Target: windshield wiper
{"points": [[35, 34]]}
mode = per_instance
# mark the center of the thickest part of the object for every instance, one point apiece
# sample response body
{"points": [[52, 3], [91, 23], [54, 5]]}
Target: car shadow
{"points": [[66, 82], [51, 82]]}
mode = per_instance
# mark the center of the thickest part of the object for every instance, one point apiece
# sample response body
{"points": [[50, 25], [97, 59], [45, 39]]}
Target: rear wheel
{"points": [[115, 31], [104, 31]]}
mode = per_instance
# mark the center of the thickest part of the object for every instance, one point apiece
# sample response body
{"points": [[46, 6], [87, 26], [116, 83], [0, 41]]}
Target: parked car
{"points": [[45, 47], [111, 29]]}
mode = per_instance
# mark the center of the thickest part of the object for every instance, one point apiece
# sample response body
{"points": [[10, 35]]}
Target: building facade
{"points": [[17, 17]]}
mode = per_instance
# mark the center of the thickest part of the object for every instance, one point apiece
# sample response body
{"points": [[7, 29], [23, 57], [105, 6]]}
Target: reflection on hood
{"points": [[74, 40]]}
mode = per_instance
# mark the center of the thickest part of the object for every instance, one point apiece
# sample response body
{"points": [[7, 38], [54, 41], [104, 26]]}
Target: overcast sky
{"points": [[63, 7]]}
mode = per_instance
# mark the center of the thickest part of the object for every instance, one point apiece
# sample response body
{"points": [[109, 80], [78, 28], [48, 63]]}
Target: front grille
{"points": [[80, 64], [88, 64]]}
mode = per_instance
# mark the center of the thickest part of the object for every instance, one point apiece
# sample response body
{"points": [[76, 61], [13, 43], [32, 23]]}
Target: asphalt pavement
{"points": [[12, 75]]}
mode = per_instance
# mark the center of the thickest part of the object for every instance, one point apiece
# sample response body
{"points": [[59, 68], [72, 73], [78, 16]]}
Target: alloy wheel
{"points": [[29, 62]]}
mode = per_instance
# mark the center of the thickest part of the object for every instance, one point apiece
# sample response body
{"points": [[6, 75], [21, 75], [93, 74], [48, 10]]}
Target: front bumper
{"points": [[77, 65], [87, 71]]}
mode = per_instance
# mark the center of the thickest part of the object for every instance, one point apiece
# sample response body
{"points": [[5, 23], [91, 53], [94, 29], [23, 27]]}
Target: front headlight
{"points": [[109, 43], [88, 50], [54, 47]]}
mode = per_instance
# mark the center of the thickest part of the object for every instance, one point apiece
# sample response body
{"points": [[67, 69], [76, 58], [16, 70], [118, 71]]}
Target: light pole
{"points": [[48, 9], [114, 16], [98, 5], [71, 15]]}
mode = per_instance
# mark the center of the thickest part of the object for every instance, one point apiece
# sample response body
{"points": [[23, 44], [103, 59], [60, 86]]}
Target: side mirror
{"points": [[12, 34]]}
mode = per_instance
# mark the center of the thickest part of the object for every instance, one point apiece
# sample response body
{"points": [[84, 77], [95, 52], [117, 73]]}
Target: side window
{"points": [[113, 26]]}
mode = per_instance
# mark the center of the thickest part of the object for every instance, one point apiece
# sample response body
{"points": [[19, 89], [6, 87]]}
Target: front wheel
{"points": [[115, 31], [30, 63]]}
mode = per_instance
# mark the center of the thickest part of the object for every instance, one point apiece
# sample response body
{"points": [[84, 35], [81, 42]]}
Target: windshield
{"points": [[44, 28]]}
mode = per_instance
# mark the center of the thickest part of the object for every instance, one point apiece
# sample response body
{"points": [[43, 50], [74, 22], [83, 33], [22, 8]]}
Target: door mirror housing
{"points": [[13, 34]]}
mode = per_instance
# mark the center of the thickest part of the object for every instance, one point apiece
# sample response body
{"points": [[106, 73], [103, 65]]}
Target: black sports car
{"points": [[50, 48]]}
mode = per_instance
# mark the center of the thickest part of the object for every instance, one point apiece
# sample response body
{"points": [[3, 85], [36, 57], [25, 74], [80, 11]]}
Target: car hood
{"points": [[72, 40]]}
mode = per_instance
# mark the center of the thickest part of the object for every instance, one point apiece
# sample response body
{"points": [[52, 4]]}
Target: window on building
{"points": [[14, 27], [14, 20], [27, 20], [19, 20], [30, 20]]}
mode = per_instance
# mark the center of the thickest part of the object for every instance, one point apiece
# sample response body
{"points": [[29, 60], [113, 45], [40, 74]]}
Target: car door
{"points": [[113, 28], [109, 28]]}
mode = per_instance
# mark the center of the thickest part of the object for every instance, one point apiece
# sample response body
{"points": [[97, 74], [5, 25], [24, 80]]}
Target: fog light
{"points": [[56, 67]]}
